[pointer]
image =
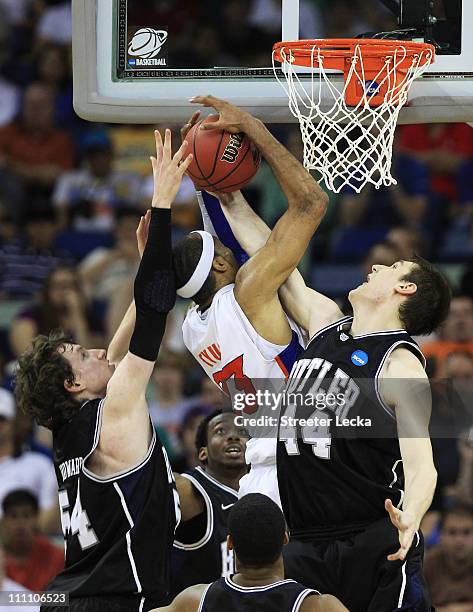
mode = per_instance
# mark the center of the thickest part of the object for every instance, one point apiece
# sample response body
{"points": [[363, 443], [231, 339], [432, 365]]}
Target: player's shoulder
{"points": [[187, 601], [404, 362], [322, 603]]}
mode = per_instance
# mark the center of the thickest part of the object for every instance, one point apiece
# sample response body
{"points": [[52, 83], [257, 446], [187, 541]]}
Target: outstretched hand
{"points": [[406, 527], [168, 170], [231, 118]]}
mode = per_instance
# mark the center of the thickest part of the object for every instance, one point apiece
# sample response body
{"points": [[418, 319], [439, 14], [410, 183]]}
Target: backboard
{"points": [[139, 61]]}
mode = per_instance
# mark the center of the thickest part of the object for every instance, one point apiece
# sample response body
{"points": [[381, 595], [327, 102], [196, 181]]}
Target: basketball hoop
{"points": [[348, 135]]}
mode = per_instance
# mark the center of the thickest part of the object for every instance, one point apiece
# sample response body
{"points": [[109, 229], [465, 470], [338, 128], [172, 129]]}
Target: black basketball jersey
{"points": [[338, 452], [118, 531], [227, 596], [200, 552]]}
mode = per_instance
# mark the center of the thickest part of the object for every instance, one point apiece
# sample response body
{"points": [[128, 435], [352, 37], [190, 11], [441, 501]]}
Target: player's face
{"points": [[226, 443], [384, 282], [92, 371]]}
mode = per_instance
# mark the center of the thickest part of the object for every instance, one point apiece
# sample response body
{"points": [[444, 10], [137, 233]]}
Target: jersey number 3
{"points": [[234, 370]]}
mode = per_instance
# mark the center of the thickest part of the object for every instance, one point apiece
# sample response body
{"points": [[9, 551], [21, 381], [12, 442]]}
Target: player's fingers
{"points": [[154, 164], [180, 152], [206, 101], [159, 144], [167, 146], [195, 117], [185, 164], [212, 125], [396, 556]]}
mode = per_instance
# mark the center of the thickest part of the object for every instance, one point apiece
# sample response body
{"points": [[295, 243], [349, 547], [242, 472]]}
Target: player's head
{"points": [[256, 531], [416, 291], [219, 443], [203, 265], [55, 376]]}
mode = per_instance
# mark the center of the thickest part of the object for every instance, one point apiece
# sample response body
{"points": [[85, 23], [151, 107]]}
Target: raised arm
{"points": [[126, 429], [119, 343], [259, 279], [405, 387], [308, 308]]}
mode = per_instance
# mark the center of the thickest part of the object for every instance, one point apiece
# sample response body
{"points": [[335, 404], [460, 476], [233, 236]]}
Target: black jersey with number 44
{"points": [[118, 531], [338, 453], [225, 595], [200, 552]]}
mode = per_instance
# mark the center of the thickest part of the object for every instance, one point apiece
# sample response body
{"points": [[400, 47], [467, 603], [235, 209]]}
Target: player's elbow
{"points": [[314, 203]]}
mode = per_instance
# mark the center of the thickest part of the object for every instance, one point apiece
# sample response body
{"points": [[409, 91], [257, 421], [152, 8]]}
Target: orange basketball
{"points": [[222, 161]]}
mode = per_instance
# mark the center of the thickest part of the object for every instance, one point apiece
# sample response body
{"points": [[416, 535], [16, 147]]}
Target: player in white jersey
{"points": [[238, 330]]}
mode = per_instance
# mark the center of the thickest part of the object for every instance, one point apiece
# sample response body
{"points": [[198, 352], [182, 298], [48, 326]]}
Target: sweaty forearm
{"points": [[297, 184], [121, 339], [154, 288]]}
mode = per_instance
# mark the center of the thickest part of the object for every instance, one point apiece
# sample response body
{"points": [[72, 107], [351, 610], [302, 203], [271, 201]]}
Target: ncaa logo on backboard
{"points": [[145, 46]]}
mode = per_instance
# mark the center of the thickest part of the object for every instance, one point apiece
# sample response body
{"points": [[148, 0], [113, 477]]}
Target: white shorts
{"points": [[261, 479]]}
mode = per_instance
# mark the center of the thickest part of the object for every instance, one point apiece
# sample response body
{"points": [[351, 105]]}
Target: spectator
{"points": [[91, 194], [449, 566], [104, 270], [407, 240], [167, 404], [55, 25], [27, 259], [188, 457], [31, 560], [8, 585], [53, 70], [62, 305], [33, 153], [380, 253], [25, 470], [456, 334], [443, 148], [210, 395]]}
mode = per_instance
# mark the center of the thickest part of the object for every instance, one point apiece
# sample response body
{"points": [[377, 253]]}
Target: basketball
{"points": [[222, 161]]}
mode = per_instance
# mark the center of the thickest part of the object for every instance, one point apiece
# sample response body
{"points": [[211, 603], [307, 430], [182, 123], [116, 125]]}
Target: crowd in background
{"points": [[72, 193]]}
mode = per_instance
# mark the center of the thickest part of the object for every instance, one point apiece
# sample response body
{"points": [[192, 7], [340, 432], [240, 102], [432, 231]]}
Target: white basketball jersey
{"points": [[238, 359]]}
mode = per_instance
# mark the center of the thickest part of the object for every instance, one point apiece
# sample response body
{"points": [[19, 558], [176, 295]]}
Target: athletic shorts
{"points": [[355, 569], [261, 478], [105, 604]]}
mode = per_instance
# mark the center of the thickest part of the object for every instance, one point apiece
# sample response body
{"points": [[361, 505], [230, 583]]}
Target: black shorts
{"points": [[356, 570], [104, 604]]}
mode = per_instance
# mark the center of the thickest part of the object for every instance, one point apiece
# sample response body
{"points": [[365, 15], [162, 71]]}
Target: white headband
{"points": [[198, 278]]}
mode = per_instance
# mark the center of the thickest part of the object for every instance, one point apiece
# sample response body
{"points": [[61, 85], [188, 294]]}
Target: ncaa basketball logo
{"points": [[147, 43], [359, 358]]}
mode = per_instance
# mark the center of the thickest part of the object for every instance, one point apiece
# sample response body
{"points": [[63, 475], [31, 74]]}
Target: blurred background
{"points": [[71, 195]]}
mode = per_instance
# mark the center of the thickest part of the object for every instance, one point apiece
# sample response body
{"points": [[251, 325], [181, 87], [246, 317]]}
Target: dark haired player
{"points": [[117, 494], [238, 331], [338, 480], [200, 553], [256, 534]]}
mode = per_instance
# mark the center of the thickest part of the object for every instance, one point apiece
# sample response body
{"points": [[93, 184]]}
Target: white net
{"points": [[350, 145]]}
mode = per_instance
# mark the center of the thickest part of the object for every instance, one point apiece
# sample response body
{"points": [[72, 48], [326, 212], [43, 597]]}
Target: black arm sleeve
{"points": [[155, 287]]}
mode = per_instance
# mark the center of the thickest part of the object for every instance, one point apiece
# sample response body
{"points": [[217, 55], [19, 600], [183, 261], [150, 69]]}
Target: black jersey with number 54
{"points": [[338, 453], [118, 531]]}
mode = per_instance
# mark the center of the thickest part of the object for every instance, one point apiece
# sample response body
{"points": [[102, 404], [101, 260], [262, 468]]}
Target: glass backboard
{"points": [[139, 61]]}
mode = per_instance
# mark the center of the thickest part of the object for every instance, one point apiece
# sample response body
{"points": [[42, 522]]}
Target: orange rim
{"points": [[338, 50]]}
